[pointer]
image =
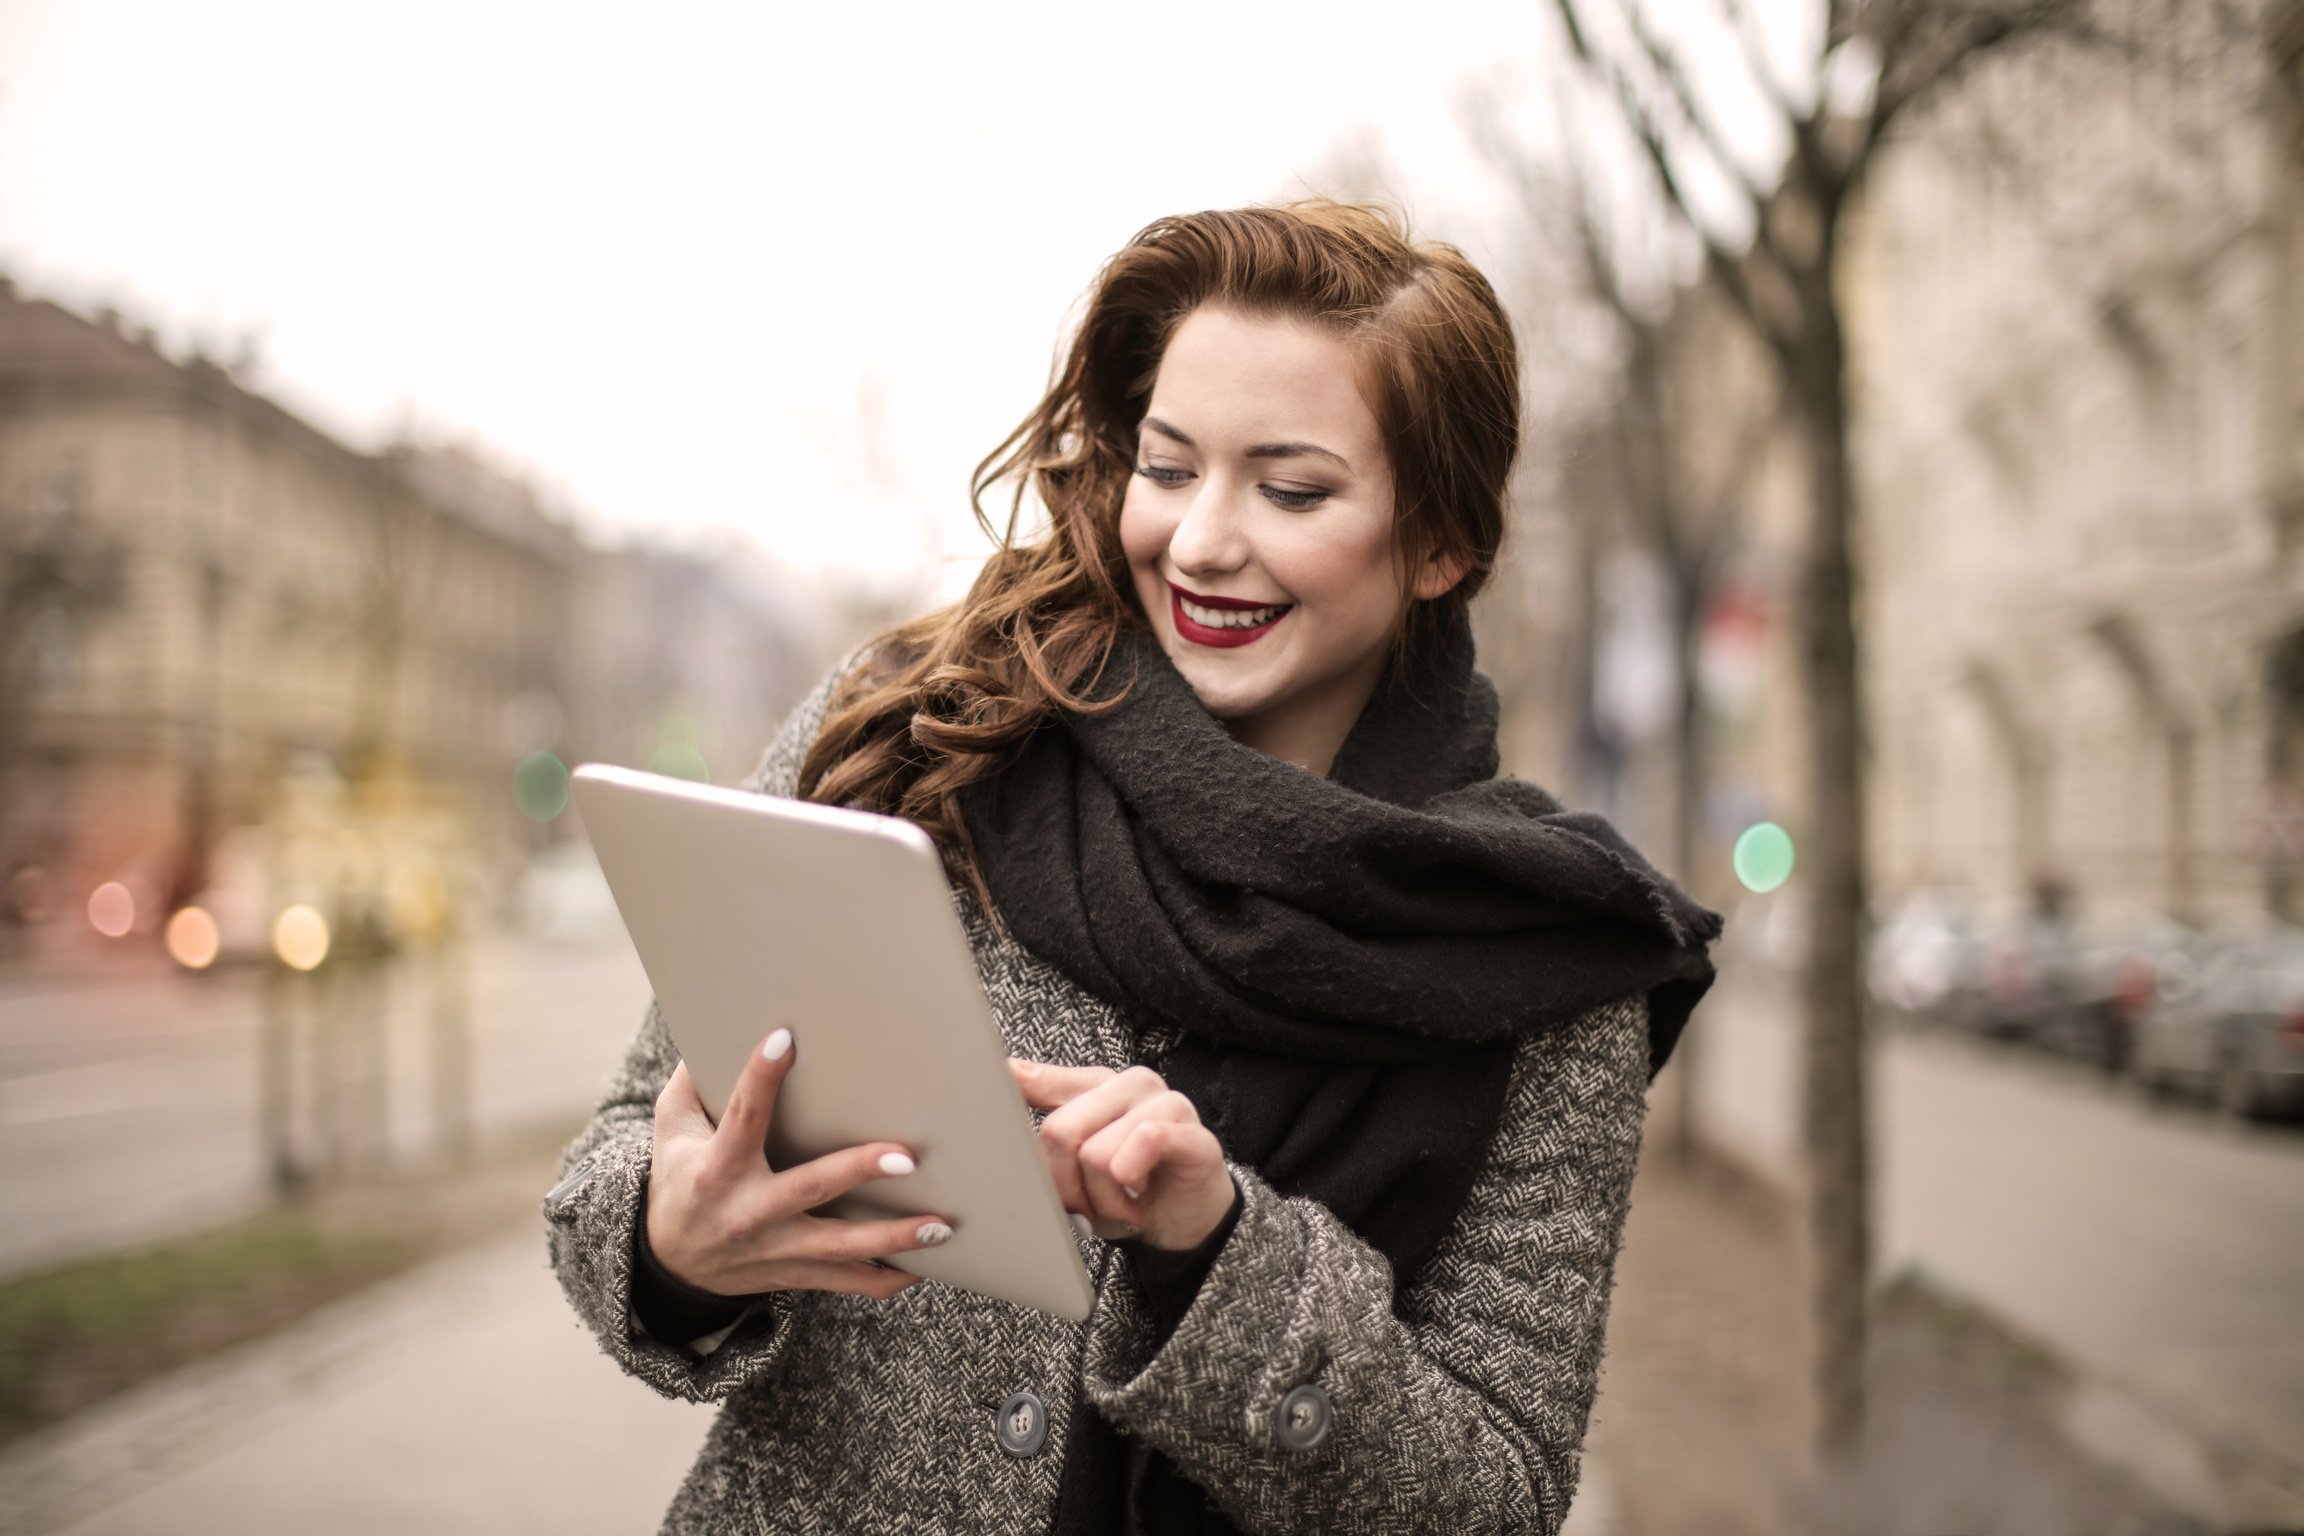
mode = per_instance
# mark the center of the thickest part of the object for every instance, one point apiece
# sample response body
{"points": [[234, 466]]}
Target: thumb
{"points": [[678, 1110]]}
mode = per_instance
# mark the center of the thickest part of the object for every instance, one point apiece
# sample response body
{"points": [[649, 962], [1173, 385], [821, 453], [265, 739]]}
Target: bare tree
{"points": [[1678, 458], [1768, 221]]}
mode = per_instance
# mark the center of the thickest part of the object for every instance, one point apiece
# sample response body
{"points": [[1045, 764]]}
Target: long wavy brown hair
{"points": [[940, 701]]}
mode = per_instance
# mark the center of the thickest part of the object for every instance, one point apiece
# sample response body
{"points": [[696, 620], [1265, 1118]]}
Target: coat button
{"points": [[1306, 1416], [1022, 1427]]}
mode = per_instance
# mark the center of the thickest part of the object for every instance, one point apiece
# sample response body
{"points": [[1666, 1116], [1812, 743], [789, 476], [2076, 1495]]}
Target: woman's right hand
{"points": [[722, 1220]]}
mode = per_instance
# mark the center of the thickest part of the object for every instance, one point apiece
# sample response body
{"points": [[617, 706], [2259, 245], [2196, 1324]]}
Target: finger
{"points": [[678, 1109], [1068, 1129], [1112, 1196], [852, 1279], [1154, 1147], [743, 1135], [1073, 1123], [1049, 1086], [820, 1180], [829, 1238]]}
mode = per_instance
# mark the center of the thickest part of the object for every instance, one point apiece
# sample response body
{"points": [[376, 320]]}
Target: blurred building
{"points": [[2077, 297], [479, 580], [2075, 303], [206, 597], [687, 662], [1527, 625]]}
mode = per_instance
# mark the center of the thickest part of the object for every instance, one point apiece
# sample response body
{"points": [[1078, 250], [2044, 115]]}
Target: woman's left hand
{"points": [[1128, 1150]]}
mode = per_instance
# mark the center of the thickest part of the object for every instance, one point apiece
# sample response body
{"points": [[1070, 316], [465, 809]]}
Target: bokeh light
{"points": [[111, 910], [540, 786], [300, 937], [1764, 856], [680, 760], [192, 939]]}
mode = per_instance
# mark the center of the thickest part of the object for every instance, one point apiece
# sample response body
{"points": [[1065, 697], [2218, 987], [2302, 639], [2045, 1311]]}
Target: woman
{"points": [[1342, 1041]]}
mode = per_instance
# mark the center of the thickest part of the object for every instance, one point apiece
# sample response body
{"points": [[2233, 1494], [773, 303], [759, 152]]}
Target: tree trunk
{"points": [[2183, 901], [1690, 778], [2283, 714], [1835, 1115]]}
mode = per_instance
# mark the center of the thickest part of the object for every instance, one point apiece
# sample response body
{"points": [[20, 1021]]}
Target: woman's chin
{"points": [[1221, 692]]}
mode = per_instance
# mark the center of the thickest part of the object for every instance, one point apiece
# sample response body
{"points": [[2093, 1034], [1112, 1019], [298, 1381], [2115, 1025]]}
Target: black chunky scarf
{"points": [[1350, 960]]}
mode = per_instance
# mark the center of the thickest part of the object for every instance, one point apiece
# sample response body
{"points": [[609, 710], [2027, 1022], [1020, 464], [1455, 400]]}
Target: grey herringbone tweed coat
{"points": [[1462, 1411]]}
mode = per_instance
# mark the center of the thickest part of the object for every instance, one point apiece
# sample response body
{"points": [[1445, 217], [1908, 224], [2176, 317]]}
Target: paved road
{"points": [[128, 1108], [2159, 1249]]}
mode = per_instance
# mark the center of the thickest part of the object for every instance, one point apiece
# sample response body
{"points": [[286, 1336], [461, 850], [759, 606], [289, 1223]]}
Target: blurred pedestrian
{"points": [[1343, 1040]]}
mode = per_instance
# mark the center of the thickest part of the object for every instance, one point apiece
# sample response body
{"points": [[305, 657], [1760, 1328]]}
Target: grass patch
{"points": [[77, 1333]]}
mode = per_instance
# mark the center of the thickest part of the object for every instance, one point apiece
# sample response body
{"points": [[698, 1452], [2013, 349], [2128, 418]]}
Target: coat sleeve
{"points": [[592, 1214], [1464, 1410]]}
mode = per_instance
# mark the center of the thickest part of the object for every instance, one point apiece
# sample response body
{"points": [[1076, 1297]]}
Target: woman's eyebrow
{"points": [[1260, 451]]}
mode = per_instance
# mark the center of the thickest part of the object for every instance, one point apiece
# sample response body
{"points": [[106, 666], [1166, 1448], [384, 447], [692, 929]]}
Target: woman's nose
{"points": [[1211, 536]]}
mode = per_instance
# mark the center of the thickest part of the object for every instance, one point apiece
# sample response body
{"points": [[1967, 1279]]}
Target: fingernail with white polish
{"points": [[896, 1164], [776, 1045], [931, 1233], [1130, 1193], [1083, 1225]]}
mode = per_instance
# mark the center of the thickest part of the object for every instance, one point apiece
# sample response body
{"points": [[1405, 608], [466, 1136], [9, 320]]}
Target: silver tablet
{"points": [[751, 911]]}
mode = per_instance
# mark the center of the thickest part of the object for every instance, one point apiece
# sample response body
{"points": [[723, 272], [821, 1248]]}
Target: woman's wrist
{"points": [[1169, 1279], [670, 1308]]}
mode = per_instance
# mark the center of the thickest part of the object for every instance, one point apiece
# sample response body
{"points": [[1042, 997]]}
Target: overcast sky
{"points": [[682, 263]]}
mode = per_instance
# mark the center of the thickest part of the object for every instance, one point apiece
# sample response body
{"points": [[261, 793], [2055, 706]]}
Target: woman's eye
{"points": [[1161, 475], [1295, 501]]}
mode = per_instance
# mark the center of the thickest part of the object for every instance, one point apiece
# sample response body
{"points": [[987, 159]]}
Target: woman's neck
{"points": [[1310, 730]]}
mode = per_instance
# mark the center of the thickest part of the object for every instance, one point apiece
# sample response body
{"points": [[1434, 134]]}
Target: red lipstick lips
{"points": [[1205, 634]]}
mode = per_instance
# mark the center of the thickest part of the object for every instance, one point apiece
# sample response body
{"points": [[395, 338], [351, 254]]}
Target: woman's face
{"points": [[1258, 529]]}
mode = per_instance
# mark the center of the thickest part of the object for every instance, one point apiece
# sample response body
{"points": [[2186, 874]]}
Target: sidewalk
{"points": [[506, 1419], [1702, 1425], [462, 1397], [2153, 1253]]}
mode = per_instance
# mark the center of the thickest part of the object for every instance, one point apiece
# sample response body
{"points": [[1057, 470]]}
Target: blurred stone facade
{"points": [[2074, 294], [2077, 320], [206, 595], [687, 663]]}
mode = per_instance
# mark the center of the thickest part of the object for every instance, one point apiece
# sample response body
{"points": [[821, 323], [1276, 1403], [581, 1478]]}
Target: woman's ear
{"points": [[1440, 574]]}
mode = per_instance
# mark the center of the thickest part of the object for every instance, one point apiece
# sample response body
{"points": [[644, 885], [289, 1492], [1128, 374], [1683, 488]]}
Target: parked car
{"points": [[2111, 965], [2234, 1027], [1926, 959], [2018, 977], [1989, 967]]}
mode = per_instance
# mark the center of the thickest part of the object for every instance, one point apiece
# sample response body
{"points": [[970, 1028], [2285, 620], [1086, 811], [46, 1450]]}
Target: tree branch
{"points": [[1918, 60], [1725, 265], [1547, 201], [1753, 42], [1667, 65], [1840, 19]]}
